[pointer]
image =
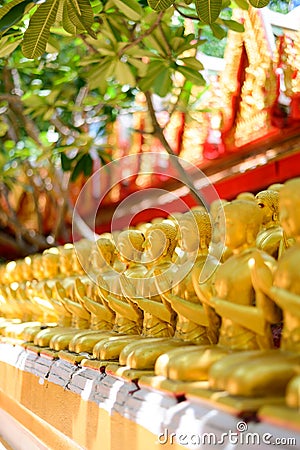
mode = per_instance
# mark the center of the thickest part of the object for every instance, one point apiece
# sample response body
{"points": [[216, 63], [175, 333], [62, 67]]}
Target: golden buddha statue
{"points": [[128, 316], [245, 314], [196, 323], [267, 373], [246, 196], [159, 318], [74, 295], [33, 292], [57, 289], [217, 246], [101, 315], [59, 339], [275, 187], [64, 317], [270, 238]]}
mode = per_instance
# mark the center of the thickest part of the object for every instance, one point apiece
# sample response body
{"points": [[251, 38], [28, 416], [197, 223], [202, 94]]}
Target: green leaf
{"points": [[218, 31], [78, 16], [243, 4], [151, 42], [71, 11], [4, 127], [83, 165], [259, 3], [193, 63], [130, 8], [160, 5], [163, 83], [123, 74], [66, 163], [208, 10], [185, 94], [98, 76], [88, 165], [139, 65], [233, 25], [52, 45], [191, 75], [7, 49], [84, 11], [37, 34], [153, 71], [12, 13], [67, 23]]}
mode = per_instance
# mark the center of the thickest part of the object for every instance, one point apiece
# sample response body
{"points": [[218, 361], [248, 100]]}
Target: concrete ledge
{"points": [[51, 404]]}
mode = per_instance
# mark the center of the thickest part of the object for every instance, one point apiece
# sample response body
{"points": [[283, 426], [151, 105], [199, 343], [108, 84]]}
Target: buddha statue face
{"points": [[160, 241], [103, 254], [37, 267], [242, 223], [289, 207], [66, 260], [130, 245], [268, 202], [195, 230], [11, 273], [50, 264]]}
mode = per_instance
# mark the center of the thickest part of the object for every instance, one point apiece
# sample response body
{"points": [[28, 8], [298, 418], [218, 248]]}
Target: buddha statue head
{"points": [[275, 187], [82, 255], [160, 241], [66, 259], [246, 196], [50, 262], [11, 273], [130, 245], [37, 267], [268, 202], [195, 231], [103, 254], [242, 223], [289, 208]]}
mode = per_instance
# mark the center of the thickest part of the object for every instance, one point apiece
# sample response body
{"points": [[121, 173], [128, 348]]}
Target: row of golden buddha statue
{"points": [[127, 299]]}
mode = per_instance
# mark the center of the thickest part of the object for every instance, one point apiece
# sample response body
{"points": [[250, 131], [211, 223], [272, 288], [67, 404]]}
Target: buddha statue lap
{"points": [[245, 314], [267, 374], [196, 323]]}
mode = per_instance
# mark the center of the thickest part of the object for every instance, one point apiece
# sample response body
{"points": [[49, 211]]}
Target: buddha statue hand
{"points": [[261, 275], [80, 289], [103, 288], [128, 288], [164, 285]]}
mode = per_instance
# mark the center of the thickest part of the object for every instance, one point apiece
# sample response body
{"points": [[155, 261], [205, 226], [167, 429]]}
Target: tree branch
{"points": [[142, 36], [158, 132]]}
